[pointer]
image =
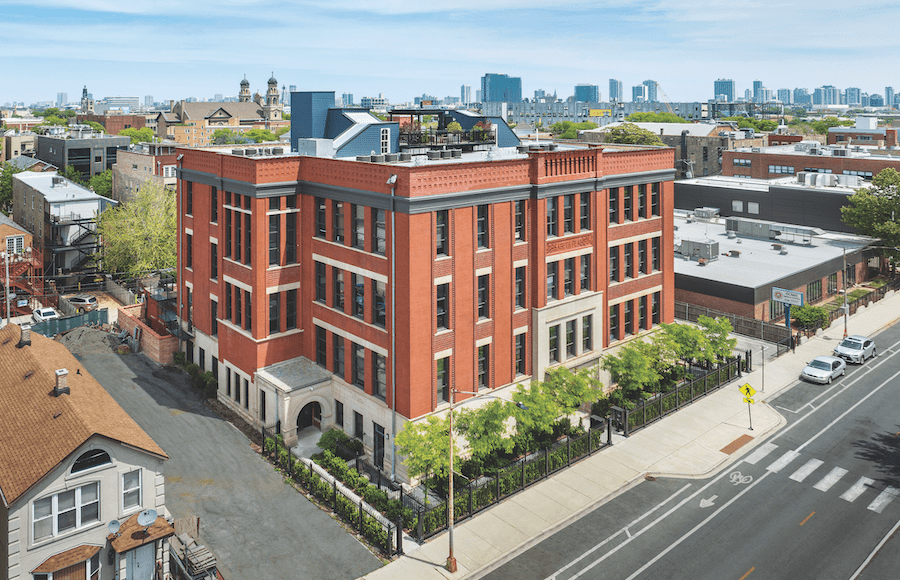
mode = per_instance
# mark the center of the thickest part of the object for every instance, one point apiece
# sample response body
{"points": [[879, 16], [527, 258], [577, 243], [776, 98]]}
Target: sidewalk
{"points": [[695, 442]]}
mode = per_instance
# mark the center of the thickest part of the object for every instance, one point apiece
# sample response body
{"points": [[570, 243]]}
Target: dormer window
{"points": [[91, 459]]}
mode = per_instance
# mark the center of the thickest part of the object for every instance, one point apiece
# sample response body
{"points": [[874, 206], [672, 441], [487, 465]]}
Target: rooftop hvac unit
{"points": [[278, 151], [693, 249], [250, 152], [707, 212], [839, 153]]}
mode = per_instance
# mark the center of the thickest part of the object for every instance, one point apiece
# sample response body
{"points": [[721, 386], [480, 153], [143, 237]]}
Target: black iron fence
{"points": [[741, 324], [684, 394], [351, 508]]}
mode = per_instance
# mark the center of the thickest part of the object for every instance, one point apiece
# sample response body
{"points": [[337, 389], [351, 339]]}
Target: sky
{"points": [[173, 49]]}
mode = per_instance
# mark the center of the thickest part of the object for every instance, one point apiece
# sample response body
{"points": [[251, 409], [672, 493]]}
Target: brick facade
{"points": [[158, 347]]}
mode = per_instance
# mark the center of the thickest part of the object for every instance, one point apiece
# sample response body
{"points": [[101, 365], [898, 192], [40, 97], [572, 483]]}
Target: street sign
{"points": [[787, 296], [748, 400], [747, 390]]}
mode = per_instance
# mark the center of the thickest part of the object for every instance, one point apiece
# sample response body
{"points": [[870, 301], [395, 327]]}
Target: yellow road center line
{"points": [[807, 518], [748, 573]]}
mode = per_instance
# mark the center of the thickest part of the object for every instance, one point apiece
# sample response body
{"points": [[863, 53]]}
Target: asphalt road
{"points": [[258, 526], [817, 500]]}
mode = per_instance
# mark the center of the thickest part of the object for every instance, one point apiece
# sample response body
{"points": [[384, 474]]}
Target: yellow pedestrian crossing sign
{"points": [[748, 400], [747, 390]]}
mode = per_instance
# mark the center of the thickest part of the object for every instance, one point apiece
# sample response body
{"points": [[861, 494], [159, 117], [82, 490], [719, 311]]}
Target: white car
{"points": [[823, 369], [856, 349], [42, 314]]}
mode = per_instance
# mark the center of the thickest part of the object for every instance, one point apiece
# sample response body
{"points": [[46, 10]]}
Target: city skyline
{"points": [[329, 45]]}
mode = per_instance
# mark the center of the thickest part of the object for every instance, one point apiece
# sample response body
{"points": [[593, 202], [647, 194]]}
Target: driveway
{"points": [[258, 526]]}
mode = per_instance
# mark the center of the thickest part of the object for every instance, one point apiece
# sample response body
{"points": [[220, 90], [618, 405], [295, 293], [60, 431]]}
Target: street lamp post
{"points": [[5, 256], [845, 306], [451, 559]]}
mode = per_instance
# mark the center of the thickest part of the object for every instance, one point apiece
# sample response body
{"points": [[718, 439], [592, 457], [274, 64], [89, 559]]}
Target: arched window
{"points": [[90, 459]]}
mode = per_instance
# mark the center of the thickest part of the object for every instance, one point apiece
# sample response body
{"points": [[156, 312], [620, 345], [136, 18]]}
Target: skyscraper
{"points": [[853, 96], [615, 90], [651, 90], [501, 88], [347, 100], [148, 101], [587, 93], [465, 94], [784, 95], [62, 99], [639, 93], [757, 91], [889, 97], [827, 95], [723, 90], [801, 97]]}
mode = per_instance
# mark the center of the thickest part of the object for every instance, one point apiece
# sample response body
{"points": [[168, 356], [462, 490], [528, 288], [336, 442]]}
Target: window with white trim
{"points": [[131, 489], [385, 141], [15, 244], [66, 511]]}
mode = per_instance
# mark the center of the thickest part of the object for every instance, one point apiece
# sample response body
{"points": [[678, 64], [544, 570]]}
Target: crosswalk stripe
{"points": [[804, 471], [760, 453], [782, 461], [833, 477], [857, 489], [883, 499]]}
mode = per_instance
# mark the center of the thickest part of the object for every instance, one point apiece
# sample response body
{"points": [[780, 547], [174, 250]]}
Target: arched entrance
{"points": [[310, 416]]}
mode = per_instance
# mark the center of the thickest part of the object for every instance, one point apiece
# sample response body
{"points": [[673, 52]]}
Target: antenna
{"points": [[146, 518], [114, 527]]}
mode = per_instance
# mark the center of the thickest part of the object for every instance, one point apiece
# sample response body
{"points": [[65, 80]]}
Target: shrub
{"points": [[179, 359], [193, 371], [329, 440]]}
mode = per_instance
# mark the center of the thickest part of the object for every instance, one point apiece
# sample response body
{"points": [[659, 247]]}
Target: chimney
{"points": [[62, 382], [25, 337]]}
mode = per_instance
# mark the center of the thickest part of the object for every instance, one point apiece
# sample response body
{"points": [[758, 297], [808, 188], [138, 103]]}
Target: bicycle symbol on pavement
{"points": [[737, 478]]}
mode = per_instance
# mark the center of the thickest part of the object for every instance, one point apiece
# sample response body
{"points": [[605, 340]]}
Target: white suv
{"points": [[855, 349]]}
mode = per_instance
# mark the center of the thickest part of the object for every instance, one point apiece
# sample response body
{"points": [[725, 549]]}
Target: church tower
{"points": [[244, 95], [273, 108], [87, 103]]}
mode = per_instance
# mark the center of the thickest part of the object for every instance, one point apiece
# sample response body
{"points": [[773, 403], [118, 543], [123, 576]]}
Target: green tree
{"points": [[227, 137], [454, 127], [629, 133], [690, 342], [485, 427], [633, 370], [281, 131], [717, 332], [426, 446], [286, 116], [875, 212], [73, 174], [95, 126], [142, 135], [260, 135], [655, 118], [140, 236], [809, 316], [101, 183], [7, 171], [823, 125]]}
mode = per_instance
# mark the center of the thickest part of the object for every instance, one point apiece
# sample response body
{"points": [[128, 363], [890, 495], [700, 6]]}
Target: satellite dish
{"points": [[146, 518], [114, 527]]}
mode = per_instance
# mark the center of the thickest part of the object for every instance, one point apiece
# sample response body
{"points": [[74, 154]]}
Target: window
{"points": [[442, 306], [274, 312], [290, 238], [214, 317], [585, 211], [202, 359], [338, 413], [214, 205], [814, 291], [320, 218], [385, 141], [237, 388], [337, 354], [627, 204], [15, 244], [614, 205], [554, 344], [642, 257], [246, 394], [227, 301], [274, 203], [753, 207], [188, 198], [188, 251], [654, 199], [483, 241], [484, 361], [628, 317], [737, 205], [358, 425], [213, 261], [781, 169], [568, 214], [776, 309], [520, 353], [359, 301], [484, 309], [655, 307], [66, 511], [337, 283], [614, 264], [552, 274], [520, 287], [262, 406], [642, 201], [552, 225], [642, 313], [442, 244], [91, 459], [741, 162], [321, 346], [443, 380], [378, 290], [228, 213], [586, 272], [337, 221], [248, 312], [614, 323], [131, 490], [247, 237], [274, 239], [570, 338], [359, 366], [587, 333], [569, 277], [379, 376], [520, 220], [655, 254], [320, 282], [628, 259], [378, 243], [237, 306], [832, 283], [358, 216], [291, 308]]}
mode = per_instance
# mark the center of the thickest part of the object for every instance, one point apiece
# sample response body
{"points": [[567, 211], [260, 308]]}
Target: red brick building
{"points": [[809, 156], [113, 123], [508, 261]]}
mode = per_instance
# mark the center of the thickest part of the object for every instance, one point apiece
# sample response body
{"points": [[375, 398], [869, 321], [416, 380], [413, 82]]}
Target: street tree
{"points": [[426, 446], [630, 133], [718, 335], [142, 135], [140, 236], [7, 170], [632, 370], [485, 428], [875, 212]]}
